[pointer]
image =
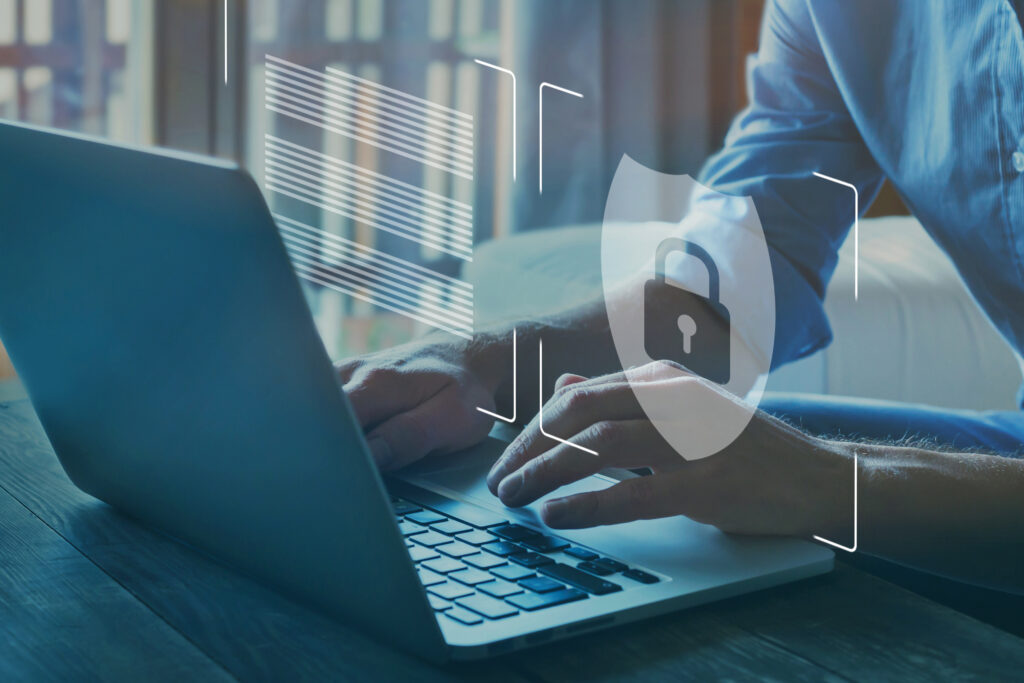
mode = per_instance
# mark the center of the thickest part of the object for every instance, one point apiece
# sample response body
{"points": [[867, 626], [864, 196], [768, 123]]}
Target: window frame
{"points": [[193, 108]]}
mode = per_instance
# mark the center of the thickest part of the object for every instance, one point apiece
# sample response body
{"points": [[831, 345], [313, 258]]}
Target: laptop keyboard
{"points": [[476, 566]]}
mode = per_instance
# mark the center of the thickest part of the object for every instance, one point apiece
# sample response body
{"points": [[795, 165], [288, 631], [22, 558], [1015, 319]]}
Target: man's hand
{"points": [[419, 398], [774, 479]]}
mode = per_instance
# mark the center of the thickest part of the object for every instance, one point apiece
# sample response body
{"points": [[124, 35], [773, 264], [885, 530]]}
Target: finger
{"points": [[569, 412], [641, 498], [628, 443], [444, 423], [346, 369]]}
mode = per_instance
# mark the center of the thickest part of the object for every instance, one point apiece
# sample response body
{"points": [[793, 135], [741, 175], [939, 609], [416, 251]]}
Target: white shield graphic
{"points": [[647, 210]]}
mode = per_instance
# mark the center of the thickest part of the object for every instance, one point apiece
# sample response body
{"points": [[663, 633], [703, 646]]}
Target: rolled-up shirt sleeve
{"points": [[796, 123]]}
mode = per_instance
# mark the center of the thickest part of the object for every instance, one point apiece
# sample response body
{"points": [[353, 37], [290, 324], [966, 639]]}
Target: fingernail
{"points": [[381, 452], [554, 511], [510, 488], [496, 474]]}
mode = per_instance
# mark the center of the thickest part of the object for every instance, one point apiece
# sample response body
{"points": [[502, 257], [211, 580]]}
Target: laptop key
{"points": [[478, 537], [544, 544], [580, 553], [595, 568], [499, 588], [641, 576], [470, 514], [438, 603], [443, 565], [429, 578], [614, 565], [484, 560], [512, 572], [426, 517], [487, 606], [451, 527], [471, 577], [515, 532], [409, 528], [541, 584], [580, 579], [418, 553], [529, 559], [463, 616], [449, 590], [430, 539], [532, 601], [501, 548], [457, 549], [404, 507]]}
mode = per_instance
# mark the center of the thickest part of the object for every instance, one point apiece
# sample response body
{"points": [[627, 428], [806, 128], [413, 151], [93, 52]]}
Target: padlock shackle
{"points": [[671, 244]]}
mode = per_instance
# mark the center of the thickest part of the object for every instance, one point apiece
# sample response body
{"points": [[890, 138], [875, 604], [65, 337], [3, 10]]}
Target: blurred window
{"points": [[75, 64]]}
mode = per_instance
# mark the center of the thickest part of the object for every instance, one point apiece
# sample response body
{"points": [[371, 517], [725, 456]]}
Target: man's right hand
{"points": [[420, 398]]}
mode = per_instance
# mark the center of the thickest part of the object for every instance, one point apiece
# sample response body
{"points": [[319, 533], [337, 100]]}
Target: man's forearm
{"points": [[959, 515]]}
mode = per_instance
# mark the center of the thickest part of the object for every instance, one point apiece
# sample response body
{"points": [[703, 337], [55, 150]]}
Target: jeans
{"points": [[997, 432]]}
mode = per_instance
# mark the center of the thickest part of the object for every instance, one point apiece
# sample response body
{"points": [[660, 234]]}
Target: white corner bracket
{"points": [[509, 73], [515, 402], [853, 548], [540, 128], [540, 407], [856, 229]]}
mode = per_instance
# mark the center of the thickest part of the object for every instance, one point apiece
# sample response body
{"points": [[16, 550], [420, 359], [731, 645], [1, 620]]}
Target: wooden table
{"points": [[87, 593]]}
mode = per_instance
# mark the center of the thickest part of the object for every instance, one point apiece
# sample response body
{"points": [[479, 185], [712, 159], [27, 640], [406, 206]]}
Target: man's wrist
{"points": [[834, 517], [488, 356]]}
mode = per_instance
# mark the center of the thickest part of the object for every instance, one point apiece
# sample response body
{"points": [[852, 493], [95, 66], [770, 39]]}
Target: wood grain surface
{"points": [[89, 593]]}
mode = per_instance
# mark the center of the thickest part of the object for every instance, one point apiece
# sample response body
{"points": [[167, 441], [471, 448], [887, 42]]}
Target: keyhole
{"points": [[688, 326]]}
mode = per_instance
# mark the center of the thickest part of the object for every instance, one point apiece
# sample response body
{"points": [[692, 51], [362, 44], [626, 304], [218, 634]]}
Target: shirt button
{"points": [[1018, 161]]}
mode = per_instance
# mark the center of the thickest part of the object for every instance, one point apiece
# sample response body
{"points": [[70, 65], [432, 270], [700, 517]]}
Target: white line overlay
{"points": [[515, 381], [540, 409], [856, 232], [225, 42], [371, 113], [506, 71], [540, 131], [852, 549]]}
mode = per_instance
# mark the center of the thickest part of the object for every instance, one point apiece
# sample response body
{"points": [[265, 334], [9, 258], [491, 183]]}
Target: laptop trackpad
{"points": [[463, 476]]}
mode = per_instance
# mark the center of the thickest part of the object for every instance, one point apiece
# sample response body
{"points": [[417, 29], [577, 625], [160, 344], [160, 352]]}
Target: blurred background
{"points": [[661, 81]]}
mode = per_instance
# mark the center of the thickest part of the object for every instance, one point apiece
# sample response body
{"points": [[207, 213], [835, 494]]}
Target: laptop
{"points": [[151, 310]]}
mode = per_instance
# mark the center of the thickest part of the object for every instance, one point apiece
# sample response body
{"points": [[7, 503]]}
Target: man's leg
{"points": [[999, 432]]}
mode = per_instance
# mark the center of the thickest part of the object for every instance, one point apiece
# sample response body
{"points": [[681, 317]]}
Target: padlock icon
{"points": [[691, 330]]}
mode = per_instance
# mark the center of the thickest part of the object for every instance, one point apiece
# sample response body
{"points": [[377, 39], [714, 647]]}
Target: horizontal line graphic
{"points": [[456, 129], [346, 182], [326, 125], [417, 283], [374, 253], [313, 275], [412, 127], [289, 189], [344, 272], [397, 216], [283, 95], [360, 105], [379, 198], [392, 185]]}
